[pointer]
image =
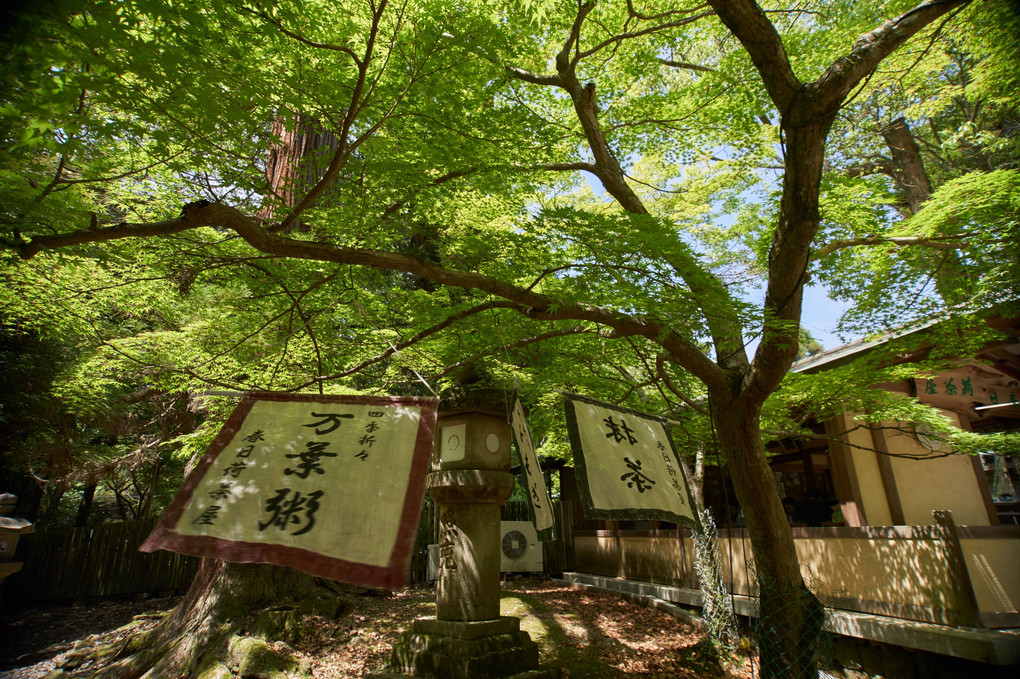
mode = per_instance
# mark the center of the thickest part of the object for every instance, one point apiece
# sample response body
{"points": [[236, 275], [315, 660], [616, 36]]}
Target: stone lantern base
{"points": [[486, 649]]}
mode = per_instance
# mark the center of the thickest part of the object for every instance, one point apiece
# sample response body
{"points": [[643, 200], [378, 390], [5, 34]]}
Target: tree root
{"points": [[236, 620]]}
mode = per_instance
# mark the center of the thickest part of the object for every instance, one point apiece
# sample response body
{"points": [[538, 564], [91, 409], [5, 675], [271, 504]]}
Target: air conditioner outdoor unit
{"points": [[520, 550]]}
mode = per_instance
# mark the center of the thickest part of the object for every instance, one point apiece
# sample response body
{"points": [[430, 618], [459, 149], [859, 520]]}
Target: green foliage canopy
{"points": [[415, 195]]}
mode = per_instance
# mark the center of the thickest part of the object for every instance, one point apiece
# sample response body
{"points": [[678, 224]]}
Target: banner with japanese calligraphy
{"points": [[331, 485], [533, 479], [627, 468]]}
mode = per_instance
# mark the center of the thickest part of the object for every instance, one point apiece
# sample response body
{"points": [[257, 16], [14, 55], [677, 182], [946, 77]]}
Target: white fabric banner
{"points": [[627, 468], [328, 484], [533, 479]]}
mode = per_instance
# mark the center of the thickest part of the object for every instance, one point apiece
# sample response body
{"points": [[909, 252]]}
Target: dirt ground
{"points": [[587, 633], [31, 637]]}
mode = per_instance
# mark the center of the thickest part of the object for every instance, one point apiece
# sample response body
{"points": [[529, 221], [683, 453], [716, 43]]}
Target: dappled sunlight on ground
{"points": [[598, 635], [590, 635], [571, 626]]}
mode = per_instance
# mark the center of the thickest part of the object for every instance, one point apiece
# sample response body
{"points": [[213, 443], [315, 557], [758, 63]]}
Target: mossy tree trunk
{"points": [[224, 600]]}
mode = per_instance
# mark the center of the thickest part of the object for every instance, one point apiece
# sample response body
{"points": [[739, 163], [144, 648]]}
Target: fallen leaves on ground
{"points": [[587, 633], [34, 635]]}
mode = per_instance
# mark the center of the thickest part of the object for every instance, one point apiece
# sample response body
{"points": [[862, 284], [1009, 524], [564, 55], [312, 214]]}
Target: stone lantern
{"points": [[10, 530], [470, 479]]}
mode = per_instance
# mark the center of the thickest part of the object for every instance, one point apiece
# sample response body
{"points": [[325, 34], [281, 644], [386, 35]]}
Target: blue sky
{"points": [[820, 315]]}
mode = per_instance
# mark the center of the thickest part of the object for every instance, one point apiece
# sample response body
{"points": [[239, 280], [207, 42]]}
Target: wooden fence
{"points": [[98, 561], [104, 561]]}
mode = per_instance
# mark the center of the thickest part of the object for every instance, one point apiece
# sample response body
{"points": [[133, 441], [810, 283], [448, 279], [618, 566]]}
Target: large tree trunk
{"points": [[790, 616], [225, 600]]}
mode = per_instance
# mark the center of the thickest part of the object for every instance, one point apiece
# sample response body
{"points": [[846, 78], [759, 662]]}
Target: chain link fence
{"points": [[789, 630], [720, 623]]}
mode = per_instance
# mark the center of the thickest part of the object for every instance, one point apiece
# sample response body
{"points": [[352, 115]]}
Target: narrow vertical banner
{"points": [[533, 479], [627, 467], [331, 485]]}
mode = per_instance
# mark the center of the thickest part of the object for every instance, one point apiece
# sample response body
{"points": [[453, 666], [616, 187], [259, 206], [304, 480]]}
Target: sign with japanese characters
{"points": [[964, 388], [533, 479], [627, 468], [331, 485]]}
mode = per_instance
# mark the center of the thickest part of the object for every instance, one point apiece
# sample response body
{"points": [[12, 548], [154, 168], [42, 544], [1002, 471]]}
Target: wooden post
{"points": [[964, 607]]}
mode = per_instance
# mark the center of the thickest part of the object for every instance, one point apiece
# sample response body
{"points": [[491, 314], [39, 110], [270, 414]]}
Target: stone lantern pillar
{"points": [[470, 479]]}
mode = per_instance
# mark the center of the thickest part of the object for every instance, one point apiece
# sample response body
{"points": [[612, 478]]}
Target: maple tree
{"points": [[570, 182]]}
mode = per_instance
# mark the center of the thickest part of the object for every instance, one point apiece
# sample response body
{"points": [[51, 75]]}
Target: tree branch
{"points": [[662, 15], [709, 293], [551, 80], [453, 174], [868, 51], [838, 438], [660, 369], [563, 60], [807, 114], [394, 348], [303, 40], [687, 66], [746, 20], [901, 241], [636, 34], [529, 303], [189, 219], [552, 334]]}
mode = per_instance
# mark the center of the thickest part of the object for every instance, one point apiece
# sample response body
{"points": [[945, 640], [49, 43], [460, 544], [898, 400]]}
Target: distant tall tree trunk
{"points": [[85, 506], [54, 494], [296, 161], [913, 181], [146, 505], [910, 175]]}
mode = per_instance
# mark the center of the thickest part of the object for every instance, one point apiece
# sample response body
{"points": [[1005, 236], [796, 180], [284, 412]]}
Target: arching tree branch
{"points": [[531, 304]]}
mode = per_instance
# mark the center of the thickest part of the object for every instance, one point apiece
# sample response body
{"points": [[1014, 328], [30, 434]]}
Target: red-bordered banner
{"points": [[330, 485]]}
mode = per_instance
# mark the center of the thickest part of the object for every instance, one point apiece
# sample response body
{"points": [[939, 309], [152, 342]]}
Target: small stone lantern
{"points": [[10, 530]]}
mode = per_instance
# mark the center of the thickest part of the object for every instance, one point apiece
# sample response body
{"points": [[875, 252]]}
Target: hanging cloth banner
{"points": [[627, 468], [330, 485], [533, 479]]}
